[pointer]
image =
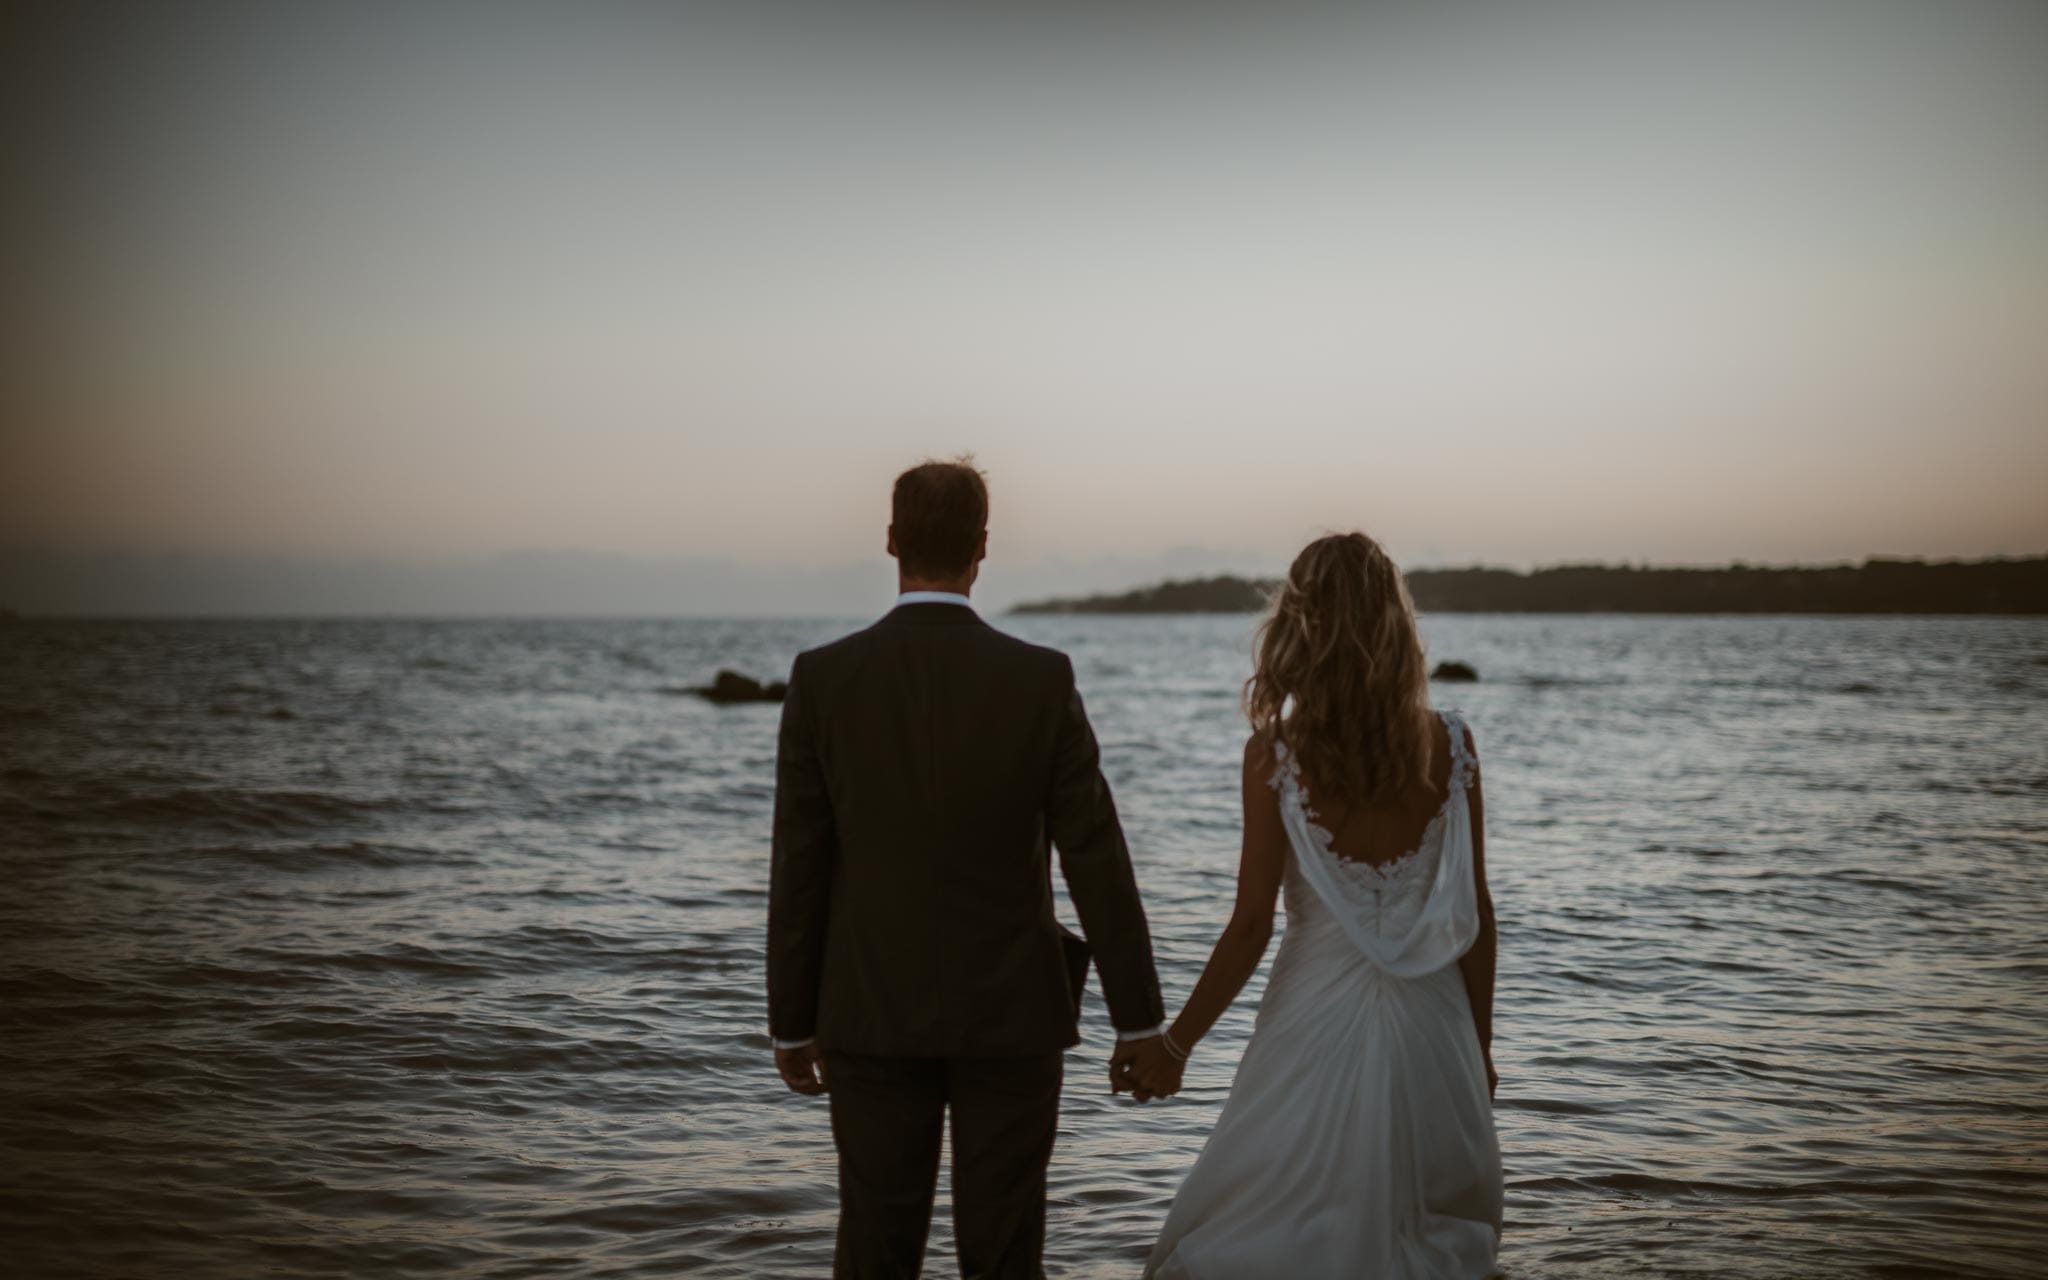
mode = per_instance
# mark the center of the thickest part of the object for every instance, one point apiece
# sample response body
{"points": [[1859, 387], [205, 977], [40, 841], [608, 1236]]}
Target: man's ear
{"points": [[981, 548], [892, 540]]}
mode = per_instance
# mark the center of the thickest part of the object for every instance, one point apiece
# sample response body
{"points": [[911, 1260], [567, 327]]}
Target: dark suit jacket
{"points": [[924, 765]]}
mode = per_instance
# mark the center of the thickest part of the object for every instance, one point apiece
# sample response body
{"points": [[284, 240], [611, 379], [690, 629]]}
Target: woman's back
{"points": [[1378, 832], [1402, 891]]}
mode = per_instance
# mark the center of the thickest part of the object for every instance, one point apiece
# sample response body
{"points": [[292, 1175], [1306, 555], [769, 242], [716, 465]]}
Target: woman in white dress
{"points": [[1358, 1137]]}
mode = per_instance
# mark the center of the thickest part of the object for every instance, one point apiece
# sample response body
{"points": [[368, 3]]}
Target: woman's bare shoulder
{"points": [[1259, 756]]}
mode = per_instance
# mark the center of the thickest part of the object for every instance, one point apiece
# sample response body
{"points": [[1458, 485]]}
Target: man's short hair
{"points": [[938, 516]]}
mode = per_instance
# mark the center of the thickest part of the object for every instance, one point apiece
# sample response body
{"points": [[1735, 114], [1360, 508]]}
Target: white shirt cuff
{"points": [[1141, 1035], [792, 1044]]}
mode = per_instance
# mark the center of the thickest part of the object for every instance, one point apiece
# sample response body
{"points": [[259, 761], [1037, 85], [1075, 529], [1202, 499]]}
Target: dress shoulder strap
{"points": [[1464, 761], [1286, 772]]}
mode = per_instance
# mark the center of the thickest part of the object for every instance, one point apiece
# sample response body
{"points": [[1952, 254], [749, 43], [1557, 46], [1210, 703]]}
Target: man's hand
{"points": [[1120, 1060], [803, 1070], [1145, 1068], [1492, 1076]]}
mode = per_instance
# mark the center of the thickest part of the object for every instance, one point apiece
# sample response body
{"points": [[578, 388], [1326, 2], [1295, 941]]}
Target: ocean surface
{"points": [[434, 948]]}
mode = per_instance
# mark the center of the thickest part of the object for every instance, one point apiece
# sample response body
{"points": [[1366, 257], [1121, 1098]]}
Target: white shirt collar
{"points": [[933, 597]]}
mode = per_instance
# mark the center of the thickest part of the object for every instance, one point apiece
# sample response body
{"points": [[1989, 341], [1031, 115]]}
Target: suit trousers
{"points": [[886, 1117]]}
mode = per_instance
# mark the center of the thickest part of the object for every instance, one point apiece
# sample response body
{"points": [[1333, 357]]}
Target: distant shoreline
{"points": [[2008, 586]]}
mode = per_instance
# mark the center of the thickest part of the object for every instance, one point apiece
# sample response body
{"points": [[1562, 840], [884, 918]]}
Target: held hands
{"points": [[1146, 1068], [803, 1070], [1492, 1076]]}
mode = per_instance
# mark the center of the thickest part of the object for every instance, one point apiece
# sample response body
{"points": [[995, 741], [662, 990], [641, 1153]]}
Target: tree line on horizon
{"points": [[1997, 586]]}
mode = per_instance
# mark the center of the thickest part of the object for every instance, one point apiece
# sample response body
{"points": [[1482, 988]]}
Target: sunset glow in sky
{"points": [[1542, 282]]}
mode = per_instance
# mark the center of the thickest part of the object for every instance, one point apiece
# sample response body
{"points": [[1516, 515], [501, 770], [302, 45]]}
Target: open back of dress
{"points": [[1417, 913]]}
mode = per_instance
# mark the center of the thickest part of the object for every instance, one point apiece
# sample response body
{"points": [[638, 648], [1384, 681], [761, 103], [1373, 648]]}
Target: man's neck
{"points": [[906, 585]]}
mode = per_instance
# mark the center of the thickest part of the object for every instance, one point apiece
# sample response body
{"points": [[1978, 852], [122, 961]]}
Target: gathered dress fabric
{"points": [[1358, 1138]]}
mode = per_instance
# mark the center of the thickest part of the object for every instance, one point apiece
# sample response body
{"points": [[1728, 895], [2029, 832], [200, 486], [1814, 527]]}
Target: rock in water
{"points": [[731, 686], [1453, 671]]}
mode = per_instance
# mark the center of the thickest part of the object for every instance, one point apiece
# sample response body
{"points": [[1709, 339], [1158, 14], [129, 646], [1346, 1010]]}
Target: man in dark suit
{"points": [[914, 961]]}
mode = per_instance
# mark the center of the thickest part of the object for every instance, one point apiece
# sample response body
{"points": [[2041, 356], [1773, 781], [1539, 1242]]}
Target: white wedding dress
{"points": [[1358, 1137]]}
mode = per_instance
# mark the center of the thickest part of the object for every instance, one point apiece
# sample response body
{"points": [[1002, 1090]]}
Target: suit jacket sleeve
{"points": [[1097, 866], [803, 851]]}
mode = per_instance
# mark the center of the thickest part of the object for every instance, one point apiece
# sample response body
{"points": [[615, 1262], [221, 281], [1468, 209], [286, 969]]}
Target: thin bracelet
{"points": [[1179, 1054]]}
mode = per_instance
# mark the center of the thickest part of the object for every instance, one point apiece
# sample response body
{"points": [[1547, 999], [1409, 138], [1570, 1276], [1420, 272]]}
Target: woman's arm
{"points": [[1238, 951], [1477, 964]]}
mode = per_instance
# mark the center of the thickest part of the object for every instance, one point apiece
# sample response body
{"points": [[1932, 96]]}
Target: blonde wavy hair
{"points": [[1338, 674]]}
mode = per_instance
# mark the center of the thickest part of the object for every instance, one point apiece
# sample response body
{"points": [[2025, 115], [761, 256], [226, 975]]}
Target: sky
{"points": [[425, 290]]}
